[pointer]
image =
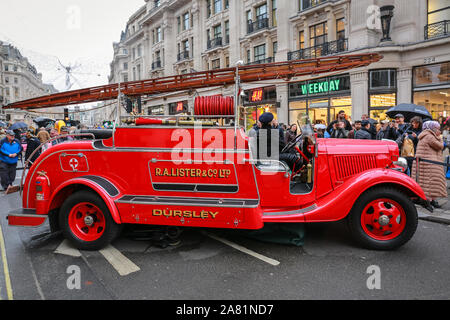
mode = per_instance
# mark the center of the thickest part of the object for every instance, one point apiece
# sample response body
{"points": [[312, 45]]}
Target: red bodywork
{"points": [[136, 176]]}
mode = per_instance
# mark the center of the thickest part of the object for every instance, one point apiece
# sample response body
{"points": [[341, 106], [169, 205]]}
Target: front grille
{"points": [[347, 166]]}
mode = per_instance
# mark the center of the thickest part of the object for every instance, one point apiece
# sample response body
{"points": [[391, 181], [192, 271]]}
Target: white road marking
{"points": [[67, 249], [245, 250], [122, 264]]}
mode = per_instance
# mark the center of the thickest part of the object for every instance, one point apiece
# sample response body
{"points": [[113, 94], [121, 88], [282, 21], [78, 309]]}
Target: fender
{"points": [[99, 189], [337, 205]]}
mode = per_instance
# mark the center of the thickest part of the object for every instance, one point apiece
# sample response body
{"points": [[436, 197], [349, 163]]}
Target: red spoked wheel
{"points": [[383, 218], [87, 221]]}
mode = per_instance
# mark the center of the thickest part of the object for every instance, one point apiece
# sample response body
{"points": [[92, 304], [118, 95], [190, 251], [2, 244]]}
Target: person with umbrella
{"points": [[10, 149]]}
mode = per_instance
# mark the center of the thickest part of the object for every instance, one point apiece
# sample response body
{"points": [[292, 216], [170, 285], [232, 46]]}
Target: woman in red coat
{"points": [[431, 177]]}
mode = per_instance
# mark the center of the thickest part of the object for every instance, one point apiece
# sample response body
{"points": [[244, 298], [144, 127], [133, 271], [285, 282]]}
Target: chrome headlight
{"points": [[402, 162]]}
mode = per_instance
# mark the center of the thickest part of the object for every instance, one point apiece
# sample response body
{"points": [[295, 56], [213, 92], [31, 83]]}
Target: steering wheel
{"points": [[292, 144]]}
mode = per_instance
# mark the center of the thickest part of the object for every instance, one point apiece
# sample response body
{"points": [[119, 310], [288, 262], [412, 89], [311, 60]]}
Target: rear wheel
{"points": [[383, 219], [85, 220]]}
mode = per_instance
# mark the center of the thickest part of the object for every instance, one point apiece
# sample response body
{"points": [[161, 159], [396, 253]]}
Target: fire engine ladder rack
{"points": [[205, 79]]}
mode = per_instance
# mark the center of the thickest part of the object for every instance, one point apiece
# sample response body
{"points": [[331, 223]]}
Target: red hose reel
{"points": [[214, 106]]}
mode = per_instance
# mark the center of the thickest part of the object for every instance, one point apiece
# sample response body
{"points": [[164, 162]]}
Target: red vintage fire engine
{"points": [[174, 172]]}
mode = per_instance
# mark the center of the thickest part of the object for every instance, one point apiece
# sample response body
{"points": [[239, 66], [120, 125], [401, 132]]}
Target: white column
{"points": [[360, 93], [404, 85]]}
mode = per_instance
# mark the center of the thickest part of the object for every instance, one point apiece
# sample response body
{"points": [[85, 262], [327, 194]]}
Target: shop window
{"points": [[380, 103], [341, 104], [179, 107], [318, 111], [436, 101], [430, 75]]}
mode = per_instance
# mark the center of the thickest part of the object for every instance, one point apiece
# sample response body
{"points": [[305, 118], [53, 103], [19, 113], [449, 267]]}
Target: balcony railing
{"points": [[307, 4], [259, 24], [156, 64], [183, 56], [213, 43], [263, 61], [325, 49], [438, 29]]}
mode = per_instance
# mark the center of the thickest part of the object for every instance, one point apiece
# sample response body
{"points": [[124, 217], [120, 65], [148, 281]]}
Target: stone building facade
{"points": [[168, 37], [19, 80]]}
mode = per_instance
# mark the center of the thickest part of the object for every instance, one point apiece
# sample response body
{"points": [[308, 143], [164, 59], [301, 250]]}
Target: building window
{"points": [[274, 13], [382, 92], [383, 79], [438, 10], [139, 50], [318, 34], [208, 8], [157, 3], [431, 86], [301, 37], [227, 32], [217, 6], [274, 48], [125, 66], [158, 34], [432, 75], [217, 31], [249, 16], [186, 23], [261, 12], [215, 64], [260, 52], [340, 29], [226, 4]]}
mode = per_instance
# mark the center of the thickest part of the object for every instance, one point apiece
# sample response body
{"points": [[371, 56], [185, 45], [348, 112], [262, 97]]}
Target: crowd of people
{"points": [[417, 138], [20, 146]]}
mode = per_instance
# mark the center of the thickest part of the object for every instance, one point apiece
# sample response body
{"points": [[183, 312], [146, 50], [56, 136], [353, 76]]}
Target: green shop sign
{"points": [[321, 87]]}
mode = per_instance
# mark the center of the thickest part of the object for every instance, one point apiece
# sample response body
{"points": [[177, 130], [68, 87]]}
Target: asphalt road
{"points": [[216, 265]]}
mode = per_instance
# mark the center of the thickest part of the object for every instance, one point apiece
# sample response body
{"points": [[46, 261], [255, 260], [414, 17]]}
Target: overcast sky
{"points": [[72, 30]]}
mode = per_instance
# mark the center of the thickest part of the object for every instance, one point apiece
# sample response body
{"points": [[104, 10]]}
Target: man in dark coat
{"points": [[265, 145], [32, 144], [341, 117], [364, 133]]}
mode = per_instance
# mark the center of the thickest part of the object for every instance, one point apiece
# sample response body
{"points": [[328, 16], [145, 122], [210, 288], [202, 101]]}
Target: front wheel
{"points": [[85, 220], [383, 219]]}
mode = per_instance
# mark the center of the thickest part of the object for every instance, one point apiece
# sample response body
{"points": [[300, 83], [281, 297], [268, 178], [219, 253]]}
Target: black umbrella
{"points": [[43, 121], [18, 126], [409, 111]]}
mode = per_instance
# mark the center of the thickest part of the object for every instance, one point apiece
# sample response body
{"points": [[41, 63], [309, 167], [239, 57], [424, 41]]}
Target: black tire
{"points": [[393, 241], [109, 229]]}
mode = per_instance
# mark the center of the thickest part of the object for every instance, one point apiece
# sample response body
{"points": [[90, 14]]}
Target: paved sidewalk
{"points": [[441, 215]]}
